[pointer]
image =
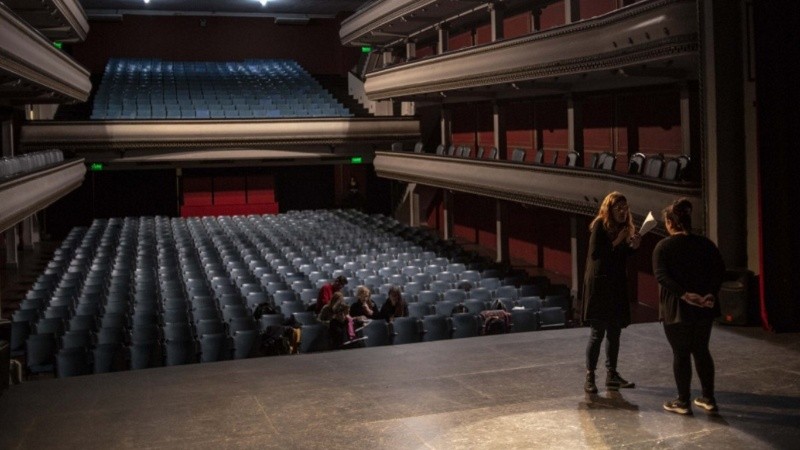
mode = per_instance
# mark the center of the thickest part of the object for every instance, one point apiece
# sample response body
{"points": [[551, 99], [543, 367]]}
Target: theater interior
{"points": [[170, 167]]}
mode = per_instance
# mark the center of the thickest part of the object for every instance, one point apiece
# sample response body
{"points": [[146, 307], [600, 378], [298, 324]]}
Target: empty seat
{"points": [[406, 330], [552, 317], [40, 353], [435, 328], [72, 362], [376, 333], [419, 310], [180, 351], [108, 357], [313, 338], [465, 325], [214, 347], [524, 320]]}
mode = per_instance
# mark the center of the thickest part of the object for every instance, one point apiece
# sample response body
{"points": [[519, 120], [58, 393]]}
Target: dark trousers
{"points": [[611, 332], [687, 340]]}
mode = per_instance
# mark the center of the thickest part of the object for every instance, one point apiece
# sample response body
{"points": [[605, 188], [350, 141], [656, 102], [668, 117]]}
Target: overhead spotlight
{"points": [[263, 2], [146, 1]]}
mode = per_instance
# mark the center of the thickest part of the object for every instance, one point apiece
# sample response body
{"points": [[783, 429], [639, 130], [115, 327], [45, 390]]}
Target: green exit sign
{"points": [[356, 160], [96, 167], [58, 44], [366, 49]]}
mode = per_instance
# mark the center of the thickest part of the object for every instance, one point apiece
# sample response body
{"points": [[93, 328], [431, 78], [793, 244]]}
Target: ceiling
{"points": [[311, 8]]}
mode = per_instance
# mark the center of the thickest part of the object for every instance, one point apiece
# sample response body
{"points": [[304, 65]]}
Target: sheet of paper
{"points": [[649, 223]]}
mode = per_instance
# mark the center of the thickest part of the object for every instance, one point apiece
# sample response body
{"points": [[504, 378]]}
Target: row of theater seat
{"points": [[28, 162], [153, 291], [155, 89], [652, 166]]}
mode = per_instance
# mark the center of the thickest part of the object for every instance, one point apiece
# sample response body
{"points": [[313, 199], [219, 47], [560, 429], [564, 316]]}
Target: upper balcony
{"points": [[58, 20], [647, 43], [32, 70]]}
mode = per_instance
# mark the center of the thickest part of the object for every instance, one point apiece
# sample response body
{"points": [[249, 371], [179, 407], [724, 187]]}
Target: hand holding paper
{"points": [[649, 223]]}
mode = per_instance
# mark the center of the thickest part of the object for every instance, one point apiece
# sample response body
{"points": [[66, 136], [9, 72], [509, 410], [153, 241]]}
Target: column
{"points": [[387, 58], [444, 36], [496, 16], [572, 10], [502, 239], [447, 213], [411, 50], [575, 127], [446, 123], [28, 231], [686, 122], [499, 129]]}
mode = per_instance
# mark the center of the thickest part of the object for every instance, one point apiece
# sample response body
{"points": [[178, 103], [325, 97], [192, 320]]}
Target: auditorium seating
{"points": [[28, 162], [155, 291], [250, 89]]}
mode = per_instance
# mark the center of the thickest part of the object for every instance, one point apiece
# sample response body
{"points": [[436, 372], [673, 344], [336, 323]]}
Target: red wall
{"points": [[221, 39], [552, 15], [225, 195], [518, 25], [460, 41], [591, 8]]}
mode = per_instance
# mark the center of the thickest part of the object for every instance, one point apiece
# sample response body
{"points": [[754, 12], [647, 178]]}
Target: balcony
{"points": [[58, 20], [26, 194], [573, 190], [644, 44], [32, 70]]}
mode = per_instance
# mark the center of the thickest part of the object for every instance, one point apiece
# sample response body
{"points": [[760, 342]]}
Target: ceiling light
{"points": [[263, 2], [146, 1]]}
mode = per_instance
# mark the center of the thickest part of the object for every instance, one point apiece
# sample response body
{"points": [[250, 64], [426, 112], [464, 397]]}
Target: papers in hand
{"points": [[649, 223]]}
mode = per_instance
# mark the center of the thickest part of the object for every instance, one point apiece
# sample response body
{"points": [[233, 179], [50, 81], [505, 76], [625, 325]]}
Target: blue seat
{"points": [[40, 353], [376, 333], [444, 308], [465, 325], [435, 328], [552, 317], [181, 351], [244, 344], [73, 361], [524, 320], [419, 310], [108, 357], [406, 330], [214, 347], [313, 338], [475, 306]]}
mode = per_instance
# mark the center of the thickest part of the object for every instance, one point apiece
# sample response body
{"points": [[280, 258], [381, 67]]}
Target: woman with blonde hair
{"points": [[605, 304], [364, 306]]}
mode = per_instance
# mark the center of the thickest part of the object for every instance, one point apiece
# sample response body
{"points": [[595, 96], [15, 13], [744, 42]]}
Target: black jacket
{"points": [[605, 287], [687, 263]]}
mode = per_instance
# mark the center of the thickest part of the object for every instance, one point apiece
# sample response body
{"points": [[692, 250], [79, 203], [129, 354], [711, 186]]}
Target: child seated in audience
{"points": [[342, 328], [326, 313]]}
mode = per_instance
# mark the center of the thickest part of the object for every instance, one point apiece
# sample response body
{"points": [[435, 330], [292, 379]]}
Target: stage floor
{"points": [[509, 391]]}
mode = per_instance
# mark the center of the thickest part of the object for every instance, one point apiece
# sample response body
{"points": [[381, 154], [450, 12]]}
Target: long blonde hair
{"points": [[606, 218]]}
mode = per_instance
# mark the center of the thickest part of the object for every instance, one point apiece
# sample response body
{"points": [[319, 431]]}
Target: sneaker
{"points": [[589, 386], [615, 381], [678, 407], [709, 404]]}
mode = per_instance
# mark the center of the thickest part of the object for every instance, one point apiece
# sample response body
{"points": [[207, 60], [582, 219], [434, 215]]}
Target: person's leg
{"points": [[679, 340], [613, 379], [598, 330], [613, 332], [704, 363]]}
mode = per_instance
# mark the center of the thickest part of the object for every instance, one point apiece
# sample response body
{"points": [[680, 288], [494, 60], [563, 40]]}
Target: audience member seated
{"points": [[327, 290], [342, 329], [395, 306], [364, 307], [326, 313]]}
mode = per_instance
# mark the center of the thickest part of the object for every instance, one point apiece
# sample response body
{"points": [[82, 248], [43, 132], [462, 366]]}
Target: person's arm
{"points": [[662, 273], [599, 244]]}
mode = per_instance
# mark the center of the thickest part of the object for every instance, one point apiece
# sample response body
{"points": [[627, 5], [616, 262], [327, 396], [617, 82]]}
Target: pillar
{"points": [[443, 31], [499, 129]]}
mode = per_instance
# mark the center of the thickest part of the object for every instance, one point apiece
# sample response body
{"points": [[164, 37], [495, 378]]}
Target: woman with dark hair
{"points": [[605, 301], [394, 306], [689, 270]]}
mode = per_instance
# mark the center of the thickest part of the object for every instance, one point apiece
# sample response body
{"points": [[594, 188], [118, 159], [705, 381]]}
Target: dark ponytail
{"points": [[679, 213]]}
